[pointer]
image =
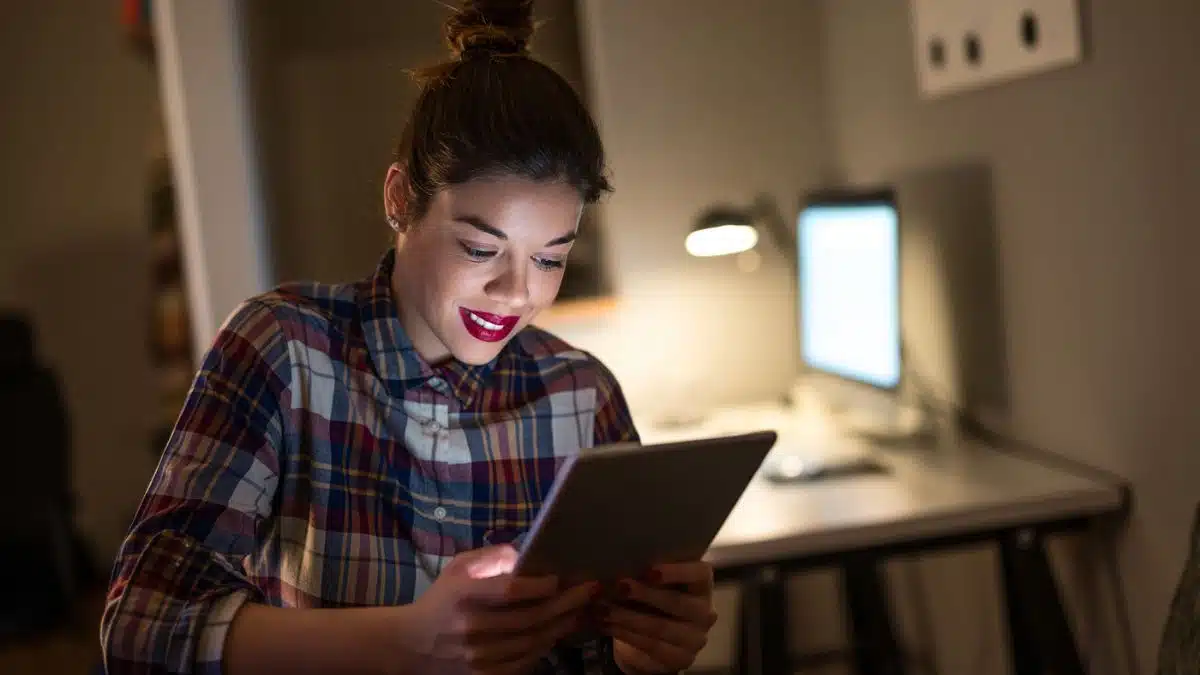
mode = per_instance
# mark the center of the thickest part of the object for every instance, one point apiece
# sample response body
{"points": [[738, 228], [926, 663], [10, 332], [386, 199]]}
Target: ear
{"points": [[395, 194]]}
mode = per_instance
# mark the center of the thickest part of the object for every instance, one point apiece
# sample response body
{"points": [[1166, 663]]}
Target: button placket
{"points": [[437, 428]]}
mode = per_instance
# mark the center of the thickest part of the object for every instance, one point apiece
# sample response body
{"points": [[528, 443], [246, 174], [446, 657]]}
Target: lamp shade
{"points": [[721, 231]]}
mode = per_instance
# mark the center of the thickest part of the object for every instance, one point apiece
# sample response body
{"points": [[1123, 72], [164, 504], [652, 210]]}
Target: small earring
{"points": [[393, 223]]}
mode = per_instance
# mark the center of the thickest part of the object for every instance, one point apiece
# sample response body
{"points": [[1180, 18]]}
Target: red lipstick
{"points": [[486, 326]]}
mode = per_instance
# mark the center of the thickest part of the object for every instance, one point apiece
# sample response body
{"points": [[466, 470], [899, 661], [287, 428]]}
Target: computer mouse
{"points": [[797, 469]]}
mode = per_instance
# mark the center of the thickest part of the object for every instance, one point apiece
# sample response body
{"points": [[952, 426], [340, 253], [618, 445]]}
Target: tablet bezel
{"points": [[574, 470]]}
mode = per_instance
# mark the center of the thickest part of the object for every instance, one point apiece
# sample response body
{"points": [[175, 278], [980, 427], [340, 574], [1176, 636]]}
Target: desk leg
{"points": [[876, 650], [1039, 633], [763, 625]]}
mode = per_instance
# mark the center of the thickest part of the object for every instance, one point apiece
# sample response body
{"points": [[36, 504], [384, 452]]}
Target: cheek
{"points": [[459, 282], [543, 288]]}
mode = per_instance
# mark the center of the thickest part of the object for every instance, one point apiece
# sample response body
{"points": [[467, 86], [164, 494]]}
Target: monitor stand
{"points": [[904, 425], [876, 416]]}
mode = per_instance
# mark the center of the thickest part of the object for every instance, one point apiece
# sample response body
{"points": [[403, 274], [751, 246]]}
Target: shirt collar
{"points": [[395, 358]]}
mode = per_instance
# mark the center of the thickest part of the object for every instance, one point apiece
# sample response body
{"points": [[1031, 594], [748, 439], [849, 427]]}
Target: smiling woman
{"points": [[486, 257], [355, 463]]}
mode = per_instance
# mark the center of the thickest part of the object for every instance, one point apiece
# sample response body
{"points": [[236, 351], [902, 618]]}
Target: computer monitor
{"points": [[849, 288]]}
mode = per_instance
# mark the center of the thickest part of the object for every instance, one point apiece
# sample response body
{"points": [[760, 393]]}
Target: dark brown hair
{"points": [[493, 110]]}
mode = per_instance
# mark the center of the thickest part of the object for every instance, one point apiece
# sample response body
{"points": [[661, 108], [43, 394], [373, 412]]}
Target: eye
{"points": [[549, 264], [476, 254]]}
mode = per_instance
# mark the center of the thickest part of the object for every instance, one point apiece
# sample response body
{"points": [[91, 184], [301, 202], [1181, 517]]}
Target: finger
{"points": [[657, 628], [572, 600], [518, 646], [687, 606], [493, 620], [697, 576], [506, 589], [489, 561], [662, 656]]}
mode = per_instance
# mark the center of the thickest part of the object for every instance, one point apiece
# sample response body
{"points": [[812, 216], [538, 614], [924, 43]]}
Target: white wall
{"points": [[713, 104], [202, 67], [1093, 226], [1095, 170]]}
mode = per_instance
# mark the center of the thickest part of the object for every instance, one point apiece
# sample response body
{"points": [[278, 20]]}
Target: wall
{"points": [[79, 124], [1091, 169], [693, 112], [223, 236], [1094, 170]]}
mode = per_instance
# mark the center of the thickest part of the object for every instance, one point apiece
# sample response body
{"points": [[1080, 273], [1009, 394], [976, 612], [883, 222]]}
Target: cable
{"points": [[1002, 441]]}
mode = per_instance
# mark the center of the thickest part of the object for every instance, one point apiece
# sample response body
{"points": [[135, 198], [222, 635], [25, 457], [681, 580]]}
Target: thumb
{"points": [[488, 561]]}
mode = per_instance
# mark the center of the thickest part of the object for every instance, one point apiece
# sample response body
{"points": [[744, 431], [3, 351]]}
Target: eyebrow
{"points": [[483, 226]]}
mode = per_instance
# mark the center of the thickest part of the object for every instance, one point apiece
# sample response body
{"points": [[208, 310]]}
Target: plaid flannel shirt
{"points": [[319, 462]]}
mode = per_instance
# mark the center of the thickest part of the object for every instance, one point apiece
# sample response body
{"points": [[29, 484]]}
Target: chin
{"points": [[478, 356], [475, 352]]}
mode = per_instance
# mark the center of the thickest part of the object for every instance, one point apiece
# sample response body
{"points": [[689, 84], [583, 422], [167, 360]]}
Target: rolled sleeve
{"points": [[179, 578], [175, 619]]}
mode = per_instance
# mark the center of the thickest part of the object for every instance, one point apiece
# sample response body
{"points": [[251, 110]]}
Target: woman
{"points": [[353, 463]]}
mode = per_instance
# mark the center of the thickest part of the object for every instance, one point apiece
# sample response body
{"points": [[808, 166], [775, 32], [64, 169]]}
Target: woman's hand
{"points": [[660, 624], [478, 618]]}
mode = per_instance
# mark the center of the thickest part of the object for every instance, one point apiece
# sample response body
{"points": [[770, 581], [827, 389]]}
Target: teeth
{"points": [[484, 322]]}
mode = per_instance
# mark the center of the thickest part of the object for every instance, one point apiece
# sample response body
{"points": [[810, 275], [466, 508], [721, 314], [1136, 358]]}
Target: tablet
{"points": [[617, 510]]}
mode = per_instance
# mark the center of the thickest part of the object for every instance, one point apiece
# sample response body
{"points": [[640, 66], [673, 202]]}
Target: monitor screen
{"points": [[849, 290]]}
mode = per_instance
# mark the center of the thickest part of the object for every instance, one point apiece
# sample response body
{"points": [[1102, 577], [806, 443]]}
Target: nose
{"points": [[511, 285]]}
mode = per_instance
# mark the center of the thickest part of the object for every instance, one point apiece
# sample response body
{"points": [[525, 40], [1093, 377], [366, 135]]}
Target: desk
{"points": [[932, 498]]}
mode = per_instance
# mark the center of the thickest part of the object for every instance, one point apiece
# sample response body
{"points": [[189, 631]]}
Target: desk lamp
{"points": [[726, 230]]}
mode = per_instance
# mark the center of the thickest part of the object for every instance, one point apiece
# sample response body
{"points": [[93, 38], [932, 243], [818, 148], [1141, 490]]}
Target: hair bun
{"points": [[491, 26]]}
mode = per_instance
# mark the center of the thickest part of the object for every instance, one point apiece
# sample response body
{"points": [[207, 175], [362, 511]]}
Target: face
{"points": [[485, 258]]}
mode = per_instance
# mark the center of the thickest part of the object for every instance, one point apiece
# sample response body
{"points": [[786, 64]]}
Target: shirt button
{"points": [[432, 427], [439, 513]]}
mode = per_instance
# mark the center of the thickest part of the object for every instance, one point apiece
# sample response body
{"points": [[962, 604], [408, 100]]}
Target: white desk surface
{"points": [[928, 493]]}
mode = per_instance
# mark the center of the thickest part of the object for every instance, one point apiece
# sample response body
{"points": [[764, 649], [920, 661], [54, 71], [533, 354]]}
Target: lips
{"points": [[486, 326]]}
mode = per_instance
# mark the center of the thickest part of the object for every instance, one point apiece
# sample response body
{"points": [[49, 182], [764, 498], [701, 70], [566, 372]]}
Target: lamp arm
{"points": [[767, 213]]}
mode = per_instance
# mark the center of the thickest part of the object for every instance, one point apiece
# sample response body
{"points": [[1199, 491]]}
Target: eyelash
{"points": [[476, 254], [480, 255]]}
